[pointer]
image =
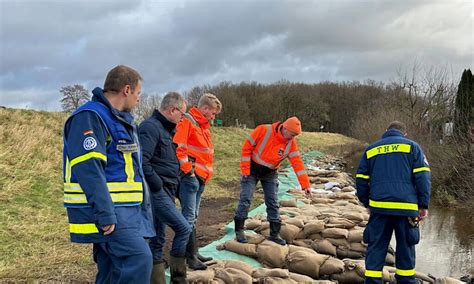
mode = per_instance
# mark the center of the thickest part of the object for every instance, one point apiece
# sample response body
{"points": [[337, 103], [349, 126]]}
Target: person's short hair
{"points": [[172, 99], [211, 101], [119, 77], [398, 126]]}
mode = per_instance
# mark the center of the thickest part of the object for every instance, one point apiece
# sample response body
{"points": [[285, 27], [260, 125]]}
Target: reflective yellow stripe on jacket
{"points": [[393, 205], [388, 148], [120, 192]]}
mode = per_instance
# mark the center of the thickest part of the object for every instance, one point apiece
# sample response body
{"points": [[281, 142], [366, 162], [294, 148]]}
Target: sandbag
{"points": [[340, 243], [200, 276], [354, 216], [255, 238], [232, 275], [293, 248], [390, 259], [300, 278], [277, 280], [315, 237], [324, 247], [240, 265], [305, 263], [289, 232], [288, 203], [447, 280], [306, 243], [313, 227], [331, 266], [358, 246], [335, 233], [348, 189], [341, 203], [298, 222], [263, 226], [272, 254], [355, 235], [239, 248], [347, 253], [347, 224], [318, 200], [251, 224], [275, 272], [349, 276]]}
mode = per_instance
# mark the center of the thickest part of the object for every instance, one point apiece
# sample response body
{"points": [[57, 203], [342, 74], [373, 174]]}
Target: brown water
{"points": [[447, 243]]}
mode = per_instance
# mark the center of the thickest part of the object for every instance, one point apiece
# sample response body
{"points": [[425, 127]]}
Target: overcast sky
{"points": [[177, 44]]}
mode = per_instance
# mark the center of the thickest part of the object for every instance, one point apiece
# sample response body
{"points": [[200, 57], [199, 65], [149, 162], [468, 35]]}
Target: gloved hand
{"points": [[307, 192]]}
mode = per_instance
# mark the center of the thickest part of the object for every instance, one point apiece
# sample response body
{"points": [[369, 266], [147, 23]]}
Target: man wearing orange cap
{"points": [[262, 153]]}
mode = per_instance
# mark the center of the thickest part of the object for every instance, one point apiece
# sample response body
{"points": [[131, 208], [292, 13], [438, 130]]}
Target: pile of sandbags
{"points": [[234, 271], [324, 236]]}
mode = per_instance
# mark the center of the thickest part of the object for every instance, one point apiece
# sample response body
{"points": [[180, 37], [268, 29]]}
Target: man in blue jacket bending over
{"points": [[104, 189], [393, 181]]}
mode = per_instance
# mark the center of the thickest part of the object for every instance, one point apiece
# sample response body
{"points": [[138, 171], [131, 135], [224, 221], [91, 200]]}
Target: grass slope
{"points": [[34, 241]]}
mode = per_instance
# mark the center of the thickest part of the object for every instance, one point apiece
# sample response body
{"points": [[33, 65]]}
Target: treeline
{"points": [[437, 110]]}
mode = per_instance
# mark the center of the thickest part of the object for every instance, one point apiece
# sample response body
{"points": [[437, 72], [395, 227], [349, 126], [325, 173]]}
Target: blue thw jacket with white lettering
{"points": [[394, 177], [103, 177]]}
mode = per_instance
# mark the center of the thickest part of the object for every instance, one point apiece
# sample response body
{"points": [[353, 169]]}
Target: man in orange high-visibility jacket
{"points": [[262, 152], [195, 154]]}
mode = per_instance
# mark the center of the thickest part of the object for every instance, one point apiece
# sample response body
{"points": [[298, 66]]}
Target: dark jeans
{"points": [[270, 193], [190, 192], [166, 213]]}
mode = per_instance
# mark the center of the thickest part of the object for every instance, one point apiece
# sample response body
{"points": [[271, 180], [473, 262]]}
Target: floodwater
{"points": [[447, 242]]}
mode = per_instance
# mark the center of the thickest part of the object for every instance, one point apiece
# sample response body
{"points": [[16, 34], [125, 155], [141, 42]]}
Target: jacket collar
{"points": [[199, 117], [276, 127], [98, 96], [168, 125], [392, 132]]}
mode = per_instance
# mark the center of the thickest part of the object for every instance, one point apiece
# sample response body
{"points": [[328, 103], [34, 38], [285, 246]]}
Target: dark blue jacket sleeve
{"points": [[149, 137], [87, 134], [422, 177], [362, 181]]}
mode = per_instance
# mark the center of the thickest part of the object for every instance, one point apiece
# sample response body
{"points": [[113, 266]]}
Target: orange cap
{"points": [[293, 124]]}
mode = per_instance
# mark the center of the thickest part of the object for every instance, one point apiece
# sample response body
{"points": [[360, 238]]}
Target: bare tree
{"points": [[73, 97], [431, 93], [146, 106]]}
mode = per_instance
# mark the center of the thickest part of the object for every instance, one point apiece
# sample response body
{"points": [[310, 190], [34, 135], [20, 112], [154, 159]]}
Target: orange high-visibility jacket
{"points": [[194, 145], [266, 146]]}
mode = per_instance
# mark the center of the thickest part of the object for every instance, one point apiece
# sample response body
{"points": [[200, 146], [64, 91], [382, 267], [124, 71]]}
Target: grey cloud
{"points": [[179, 44]]}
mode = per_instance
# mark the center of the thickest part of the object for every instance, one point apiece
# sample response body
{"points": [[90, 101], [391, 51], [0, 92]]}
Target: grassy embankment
{"points": [[34, 242]]}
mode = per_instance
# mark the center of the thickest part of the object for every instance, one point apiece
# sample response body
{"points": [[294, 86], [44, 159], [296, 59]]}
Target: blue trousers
{"points": [[166, 213], [270, 193], [123, 260], [377, 235], [190, 192]]}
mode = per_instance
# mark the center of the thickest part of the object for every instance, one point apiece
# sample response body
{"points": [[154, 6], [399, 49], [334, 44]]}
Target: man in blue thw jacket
{"points": [[393, 181], [104, 190]]}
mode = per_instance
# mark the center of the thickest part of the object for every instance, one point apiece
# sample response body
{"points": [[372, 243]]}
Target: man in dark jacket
{"points": [[104, 193], [161, 168], [393, 181]]}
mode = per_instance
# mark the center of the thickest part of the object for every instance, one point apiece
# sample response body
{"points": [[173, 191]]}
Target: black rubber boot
{"points": [[203, 258], [239, 231], [191, 253], [275, 233], [158, 273], [178, 269]]}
